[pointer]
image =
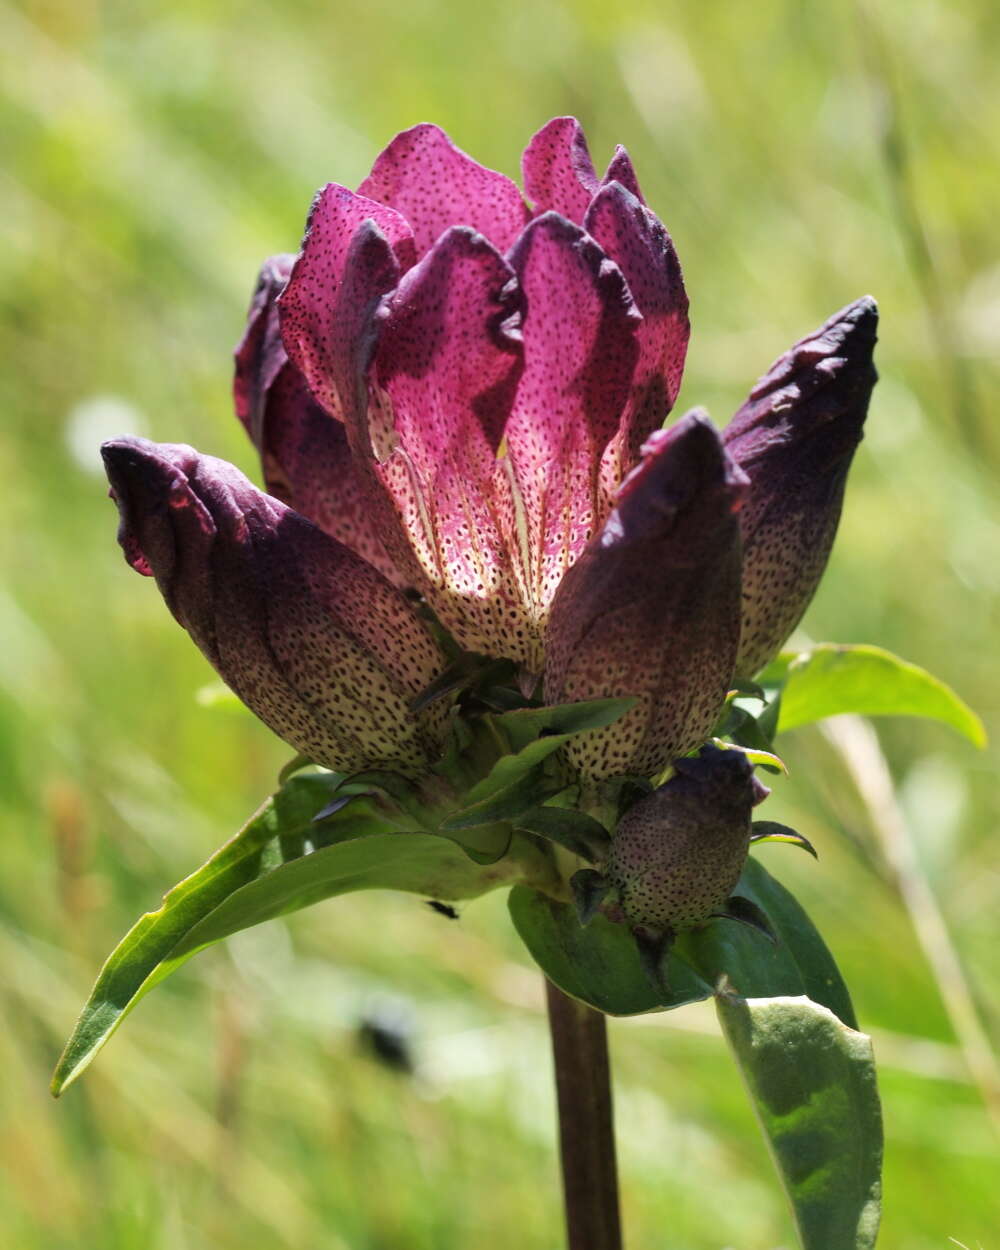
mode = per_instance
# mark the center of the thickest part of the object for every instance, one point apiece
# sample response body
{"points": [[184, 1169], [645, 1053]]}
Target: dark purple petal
{"points": [[559, 175], [678, 853], [444, 375], [334, 286], [652, 607], [434, 184], [304, 451], [314, 640], [638, 242], [795, 438], [580, 351]]}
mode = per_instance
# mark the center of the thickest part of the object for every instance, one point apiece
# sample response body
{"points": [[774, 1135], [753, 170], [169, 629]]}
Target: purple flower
{"points": [[314, 640], [463, 390]]}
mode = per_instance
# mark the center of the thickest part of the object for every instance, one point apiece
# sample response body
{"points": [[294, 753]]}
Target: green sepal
{"points": [[763, 759], [744, 911], [811, 1080], [771, 831], [526, 724], [576, 831], [590, 890]]}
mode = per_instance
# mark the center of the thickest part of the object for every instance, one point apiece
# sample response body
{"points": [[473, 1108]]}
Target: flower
{"points": [[314, 640], [463, 391]]}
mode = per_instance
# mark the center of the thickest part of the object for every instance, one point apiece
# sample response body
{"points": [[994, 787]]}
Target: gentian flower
{"points": [[459, 391]]}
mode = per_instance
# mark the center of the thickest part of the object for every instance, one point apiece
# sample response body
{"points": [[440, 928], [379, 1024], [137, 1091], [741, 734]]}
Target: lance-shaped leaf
{"points": [[288, 856], [652, 607], [312, 638], [304, 451], [435, 185], [795, 438], [811, 1080]]}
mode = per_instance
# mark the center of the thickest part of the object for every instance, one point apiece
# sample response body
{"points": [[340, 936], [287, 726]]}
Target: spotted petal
{"points": [[314, 640], [652, 607], [795, 438], [434, 184], [304, 451], [444, 374], [636, 239], [321, 321], [580, 351]]}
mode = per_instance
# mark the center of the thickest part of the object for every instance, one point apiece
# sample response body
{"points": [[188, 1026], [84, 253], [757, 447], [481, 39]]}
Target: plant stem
{"points": [[586, 1125]]}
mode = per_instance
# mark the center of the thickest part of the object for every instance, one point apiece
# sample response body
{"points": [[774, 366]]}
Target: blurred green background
{"points": [[801, 154]]}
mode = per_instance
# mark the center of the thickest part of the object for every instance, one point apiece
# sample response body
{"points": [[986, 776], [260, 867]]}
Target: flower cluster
{"points": [[458, 394]]}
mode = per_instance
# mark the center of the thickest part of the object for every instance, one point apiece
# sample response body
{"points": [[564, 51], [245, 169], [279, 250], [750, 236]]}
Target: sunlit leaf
{"points": [[830, 680], [282, 860], [812, 1083]]}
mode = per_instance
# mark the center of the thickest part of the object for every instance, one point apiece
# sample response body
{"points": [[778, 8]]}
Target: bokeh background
{"points": [[801, 154]]}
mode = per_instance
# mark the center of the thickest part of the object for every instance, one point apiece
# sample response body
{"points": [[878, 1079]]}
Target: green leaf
{"points": [[526, 724], [764, 759], [812, 1083], [598, 964], [576, 831], [800, 962], [867, 681], [282, 860]]}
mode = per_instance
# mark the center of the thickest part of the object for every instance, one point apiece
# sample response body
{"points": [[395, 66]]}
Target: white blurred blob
{"points": [[934, 796], [94, 420], [661, 77], [979, 313]]}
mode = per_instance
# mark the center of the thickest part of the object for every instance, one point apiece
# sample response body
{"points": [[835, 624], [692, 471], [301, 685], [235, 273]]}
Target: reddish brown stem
{"points": [[586, 1125]]}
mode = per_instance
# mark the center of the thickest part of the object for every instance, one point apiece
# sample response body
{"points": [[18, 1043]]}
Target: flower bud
{"points": [[795, 438], [677, 854], [312, 638]]}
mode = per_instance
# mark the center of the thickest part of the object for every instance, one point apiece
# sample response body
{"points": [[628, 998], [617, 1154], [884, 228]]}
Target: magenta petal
{"points": [[652, 606], [559, 175], [795, 438], [316, 642], [636, 239], [620, 169], [445, 371], [320, 340], [434, 184], [579, 354], [304, 451]]}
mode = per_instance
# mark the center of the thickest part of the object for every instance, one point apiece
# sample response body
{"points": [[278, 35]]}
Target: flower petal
{"points": [[445, 370], [636, 239], [320, 326], [434, 184], [620, 169], [795, 438], [559, 175], [652, 607], [580, 351], [313, 639], [304, 451]]}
